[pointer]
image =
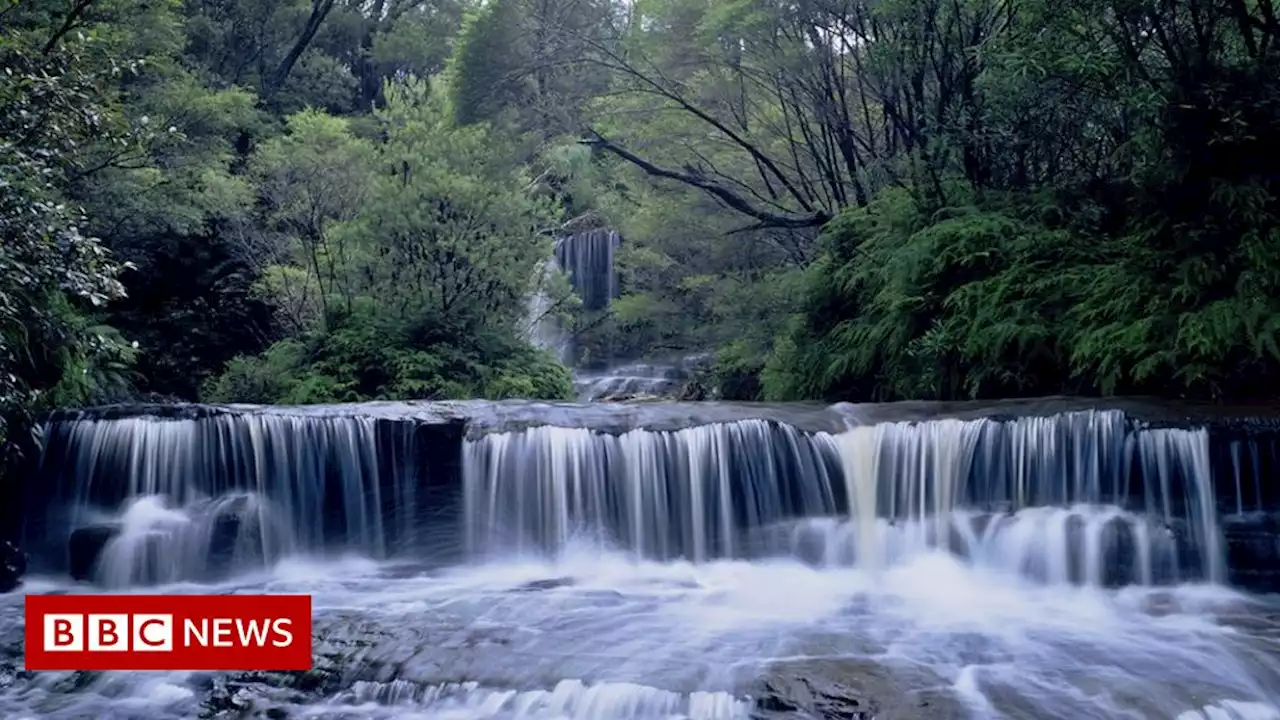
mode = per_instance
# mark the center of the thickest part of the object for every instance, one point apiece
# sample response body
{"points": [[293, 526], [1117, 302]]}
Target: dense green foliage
{"points": [[1111, 228], [1018, 198], [257, 202], [367, 357], [54, 275], [329, 200]]}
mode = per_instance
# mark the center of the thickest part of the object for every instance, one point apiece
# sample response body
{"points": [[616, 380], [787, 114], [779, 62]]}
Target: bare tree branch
{"points": [[69, 23], [721, 193]]}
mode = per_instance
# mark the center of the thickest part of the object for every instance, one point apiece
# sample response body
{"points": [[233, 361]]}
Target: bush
{"points": [[998, 299], [368, 358]]}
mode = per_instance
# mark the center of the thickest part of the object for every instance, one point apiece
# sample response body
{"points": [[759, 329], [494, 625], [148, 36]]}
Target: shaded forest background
{"points": [[302, 201]]}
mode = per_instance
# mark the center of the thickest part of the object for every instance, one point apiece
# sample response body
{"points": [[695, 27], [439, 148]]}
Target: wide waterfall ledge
{"points": [[1053, 490]]}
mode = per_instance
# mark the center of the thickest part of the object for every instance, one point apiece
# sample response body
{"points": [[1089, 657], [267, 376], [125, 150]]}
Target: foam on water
{"points": [[1062, 567], [1082, 544], [260, 486], [599, 634]]}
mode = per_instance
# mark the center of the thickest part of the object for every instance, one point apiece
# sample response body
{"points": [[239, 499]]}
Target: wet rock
{"points": [[254, 694], [695, 389], [1253, 551], [224, 539], [849, 689], [628, 397], [225, 697], [548, 584], [13, 564], [85, 547], [783, 696]]}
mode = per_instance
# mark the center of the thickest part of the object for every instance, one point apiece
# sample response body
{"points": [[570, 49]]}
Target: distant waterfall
{"points": [[588, 258], [542, 328], [653, 379], [1082, 497]]}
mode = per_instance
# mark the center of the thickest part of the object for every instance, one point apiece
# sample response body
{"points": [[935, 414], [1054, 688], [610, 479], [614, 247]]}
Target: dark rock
{"points": [[693, 390], [621, 397], [1253, 551], [811, 689], [232, 520], [13, 564], [775, 703], [227, 699], [849, 689], [548, 584], [817, 697], [317, 680], [85, 547]]}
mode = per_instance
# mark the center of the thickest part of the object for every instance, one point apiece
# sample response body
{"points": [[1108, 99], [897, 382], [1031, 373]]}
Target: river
{"points": [[1071, 565]]}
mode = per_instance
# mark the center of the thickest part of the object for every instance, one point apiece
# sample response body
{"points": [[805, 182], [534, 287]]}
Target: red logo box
{"points": [[168, 632]]}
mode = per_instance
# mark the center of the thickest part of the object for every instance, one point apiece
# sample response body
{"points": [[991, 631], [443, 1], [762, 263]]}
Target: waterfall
{"points": [[588, 258], [153, 499], [542, 328], [651, 379], [1091, 497], [717, 490], [686, 493]]}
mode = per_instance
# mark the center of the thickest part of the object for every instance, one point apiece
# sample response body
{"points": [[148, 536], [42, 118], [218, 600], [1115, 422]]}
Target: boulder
{"points": [[851, 689], [85, 547], [629, 397], [1252, 545]]}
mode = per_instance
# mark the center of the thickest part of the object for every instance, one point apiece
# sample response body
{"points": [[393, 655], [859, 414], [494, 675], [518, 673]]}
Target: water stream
{"points": [[1069, 566]]}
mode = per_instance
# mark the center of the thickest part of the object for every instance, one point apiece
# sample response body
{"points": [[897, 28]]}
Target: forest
{"points": [[303, 201]]}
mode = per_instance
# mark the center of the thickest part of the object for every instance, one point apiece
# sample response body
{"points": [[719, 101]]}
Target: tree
{"points": [[1099, 225], [313, 177], [258, 44], [526, 62], [429, 258], [451, 226], [53, 275]]}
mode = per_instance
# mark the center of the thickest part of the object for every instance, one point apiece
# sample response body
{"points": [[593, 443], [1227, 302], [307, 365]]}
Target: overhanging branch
{"points": [[765, 218]]}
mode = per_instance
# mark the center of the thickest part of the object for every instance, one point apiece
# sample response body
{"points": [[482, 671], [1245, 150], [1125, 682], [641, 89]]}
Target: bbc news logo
{"points": [[168, 632]]}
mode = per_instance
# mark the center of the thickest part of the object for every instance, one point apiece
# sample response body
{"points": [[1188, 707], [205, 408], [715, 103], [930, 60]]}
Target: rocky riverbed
{"points": [[595, 635]]}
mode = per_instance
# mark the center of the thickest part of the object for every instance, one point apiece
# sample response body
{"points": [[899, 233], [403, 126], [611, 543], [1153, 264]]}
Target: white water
{"points": [[642, 380], [158, 543], [588, 258], [542, 327], [945, 569], [613, 638]]}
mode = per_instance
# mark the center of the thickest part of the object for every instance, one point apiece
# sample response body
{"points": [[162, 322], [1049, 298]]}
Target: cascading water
{"points": [[629, 380], [588, 259], [542, 328], [1082, 482], [638, 379], [617, 566], [688, 493], [152, 543], [156, 491]]}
